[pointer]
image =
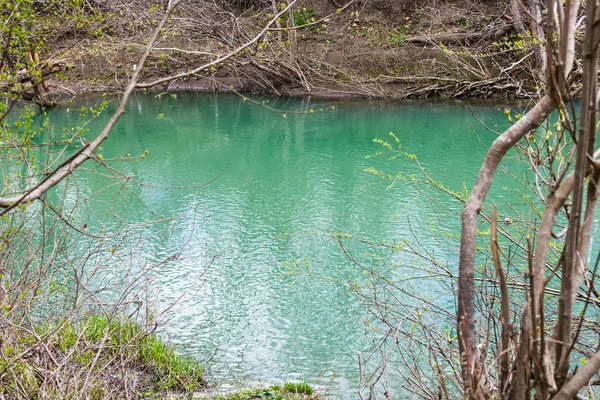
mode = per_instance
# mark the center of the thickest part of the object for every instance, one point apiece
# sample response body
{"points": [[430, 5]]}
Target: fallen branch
{"points": [[460, 37]]}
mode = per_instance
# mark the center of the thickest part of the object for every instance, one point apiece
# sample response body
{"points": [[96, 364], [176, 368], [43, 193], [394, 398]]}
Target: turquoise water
{"points": [[266, 287]]}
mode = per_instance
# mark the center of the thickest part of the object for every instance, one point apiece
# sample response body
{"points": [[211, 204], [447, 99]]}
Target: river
{"points": [[265, 282]]}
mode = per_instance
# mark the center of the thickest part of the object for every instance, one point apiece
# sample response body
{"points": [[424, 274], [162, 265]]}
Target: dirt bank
{"points": [[375, 49]]}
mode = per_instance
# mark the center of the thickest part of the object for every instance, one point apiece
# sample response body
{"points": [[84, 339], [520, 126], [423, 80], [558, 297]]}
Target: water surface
{"points": [[283, 186]]}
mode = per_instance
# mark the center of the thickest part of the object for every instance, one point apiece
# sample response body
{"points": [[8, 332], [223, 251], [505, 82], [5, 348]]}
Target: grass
{"points": [[98, 357], [288, 391], [95, 357], [146, 350]]}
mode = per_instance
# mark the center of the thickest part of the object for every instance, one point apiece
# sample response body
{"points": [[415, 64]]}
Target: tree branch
{"points": [[88, 152]]}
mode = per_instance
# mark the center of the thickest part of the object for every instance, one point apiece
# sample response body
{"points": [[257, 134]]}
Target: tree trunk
{"points": [[564, 32], [572, 272], [472, 207]]}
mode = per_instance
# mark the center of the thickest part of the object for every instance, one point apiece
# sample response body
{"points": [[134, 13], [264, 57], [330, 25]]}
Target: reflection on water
{"points": [[283, 185]]}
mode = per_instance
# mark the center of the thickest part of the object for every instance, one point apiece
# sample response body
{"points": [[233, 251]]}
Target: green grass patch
{"points": [[127, 339], [288, 391], [299, 387], [96, 357]]}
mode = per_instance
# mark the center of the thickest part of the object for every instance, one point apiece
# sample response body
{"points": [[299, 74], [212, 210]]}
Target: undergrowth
{"points": [[96, 358]]}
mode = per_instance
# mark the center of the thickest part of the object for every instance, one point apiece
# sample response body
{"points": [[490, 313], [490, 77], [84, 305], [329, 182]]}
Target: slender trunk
{"points": [[533, 27], [277, 23], [40, 88], [515, 10], [466, 284], [537, 29], [580, 379], [588, 222], [504, 348], [571, 277], [472, 207], [531, 318], [291, 32]]}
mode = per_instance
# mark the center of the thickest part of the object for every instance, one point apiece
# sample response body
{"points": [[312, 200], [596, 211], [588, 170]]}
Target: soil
{"points": [[374, 48]]}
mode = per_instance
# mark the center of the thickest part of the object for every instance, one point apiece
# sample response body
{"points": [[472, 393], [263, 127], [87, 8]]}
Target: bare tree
{"points": [[543, 359]]}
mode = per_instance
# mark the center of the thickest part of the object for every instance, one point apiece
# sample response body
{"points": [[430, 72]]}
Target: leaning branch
{"points": [[580, 379], [221, 58], [505, 303], [88, 151], [472, 207]]}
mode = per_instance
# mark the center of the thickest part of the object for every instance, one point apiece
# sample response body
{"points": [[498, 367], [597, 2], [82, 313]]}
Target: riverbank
{"points": [[373, 49], [95, 357], [110, 357]]}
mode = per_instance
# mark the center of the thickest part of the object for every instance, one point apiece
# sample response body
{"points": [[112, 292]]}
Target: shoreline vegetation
{"points": [[95, 357], [355, 49], [102, 357]]}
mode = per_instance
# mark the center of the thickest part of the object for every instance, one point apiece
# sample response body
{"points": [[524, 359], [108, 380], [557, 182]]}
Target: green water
{"points": [[283, 185]]}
